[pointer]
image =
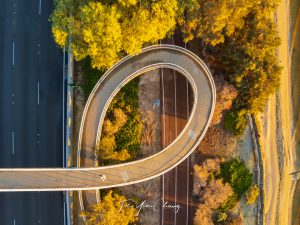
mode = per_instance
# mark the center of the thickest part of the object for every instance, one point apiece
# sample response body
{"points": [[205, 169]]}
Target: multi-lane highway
{"points": [[30, 106]]}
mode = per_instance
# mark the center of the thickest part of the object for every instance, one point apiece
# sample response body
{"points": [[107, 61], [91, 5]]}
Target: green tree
{"points": [[237, 175], [112, 210]]}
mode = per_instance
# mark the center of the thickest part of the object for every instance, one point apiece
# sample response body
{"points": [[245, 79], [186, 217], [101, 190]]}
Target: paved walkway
{"points": [[154, 57]]}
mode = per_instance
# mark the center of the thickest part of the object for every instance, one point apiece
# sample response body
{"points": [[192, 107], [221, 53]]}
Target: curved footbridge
{"points": [[154, 57]]}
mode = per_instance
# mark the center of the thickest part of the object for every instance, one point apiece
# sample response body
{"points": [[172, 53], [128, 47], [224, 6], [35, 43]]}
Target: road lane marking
{"points": [[13, 142], [13, 58], [40, 7], [63, 108], [38, 93], [176, 134], [164, 141], [188, 159], [14, 221]]}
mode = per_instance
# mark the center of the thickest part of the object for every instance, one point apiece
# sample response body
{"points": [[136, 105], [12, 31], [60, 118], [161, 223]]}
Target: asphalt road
{"points": [[177, 103], [30, 107]]}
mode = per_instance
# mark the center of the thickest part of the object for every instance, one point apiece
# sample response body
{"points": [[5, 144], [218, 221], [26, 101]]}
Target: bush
{"points": [[229, 204], [235, 121], [252, 194]]}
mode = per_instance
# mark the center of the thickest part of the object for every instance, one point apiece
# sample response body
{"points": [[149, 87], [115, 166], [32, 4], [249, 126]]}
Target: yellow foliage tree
{"points": [[211, 20], [112, 210], [111, 127], [144, 25], [99, 36], [107, 143], [106, 31]]}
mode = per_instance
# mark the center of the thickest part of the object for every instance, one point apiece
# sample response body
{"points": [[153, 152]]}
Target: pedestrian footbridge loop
{"points": [[153, 57]]}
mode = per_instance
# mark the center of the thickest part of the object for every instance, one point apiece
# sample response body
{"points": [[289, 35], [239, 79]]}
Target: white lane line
{"points": [[164, 141], [64, 211], [13, 142], [38, 93], [40, 7], [175, 90], [188, 159], [13, 57], [14, 221], [63, 106]]}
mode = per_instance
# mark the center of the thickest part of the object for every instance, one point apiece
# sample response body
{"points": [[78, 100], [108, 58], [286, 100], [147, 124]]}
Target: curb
{"points": [[69, 126]]}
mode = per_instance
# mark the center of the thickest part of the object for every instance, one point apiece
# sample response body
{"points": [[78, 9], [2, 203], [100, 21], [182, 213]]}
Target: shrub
{"points": [[235, 121], [252, 194], [229, 204]]}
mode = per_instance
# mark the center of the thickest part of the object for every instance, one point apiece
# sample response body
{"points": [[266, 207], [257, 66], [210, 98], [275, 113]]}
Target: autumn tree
{"points": [[217, 142], [216, 193], [226, 93], [206, 168], [242, 39], [202, 173], [108, 144], [105, 31], [148, 24], [111, 210], [213, 20], [203, 215]]}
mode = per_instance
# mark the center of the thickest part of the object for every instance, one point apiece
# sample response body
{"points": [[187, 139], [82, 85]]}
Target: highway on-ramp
{"points": [[30, 107], [154, 57]]}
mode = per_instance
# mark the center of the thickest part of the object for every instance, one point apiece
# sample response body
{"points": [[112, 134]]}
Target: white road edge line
{"points": [[38, 93], [176, 133], [13, 57], [13, 142], [164, 142], [40, 7], [63, 105], [188, 159]]}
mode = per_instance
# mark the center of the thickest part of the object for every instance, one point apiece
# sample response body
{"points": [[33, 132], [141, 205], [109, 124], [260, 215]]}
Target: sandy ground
{"points": [[295, 73], [278, 210], [271, 166], [285, 107]]}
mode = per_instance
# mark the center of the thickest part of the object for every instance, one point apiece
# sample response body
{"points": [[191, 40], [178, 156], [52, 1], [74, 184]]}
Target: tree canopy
{"points": [[105, 30], [242, 38], [112, 210]]}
